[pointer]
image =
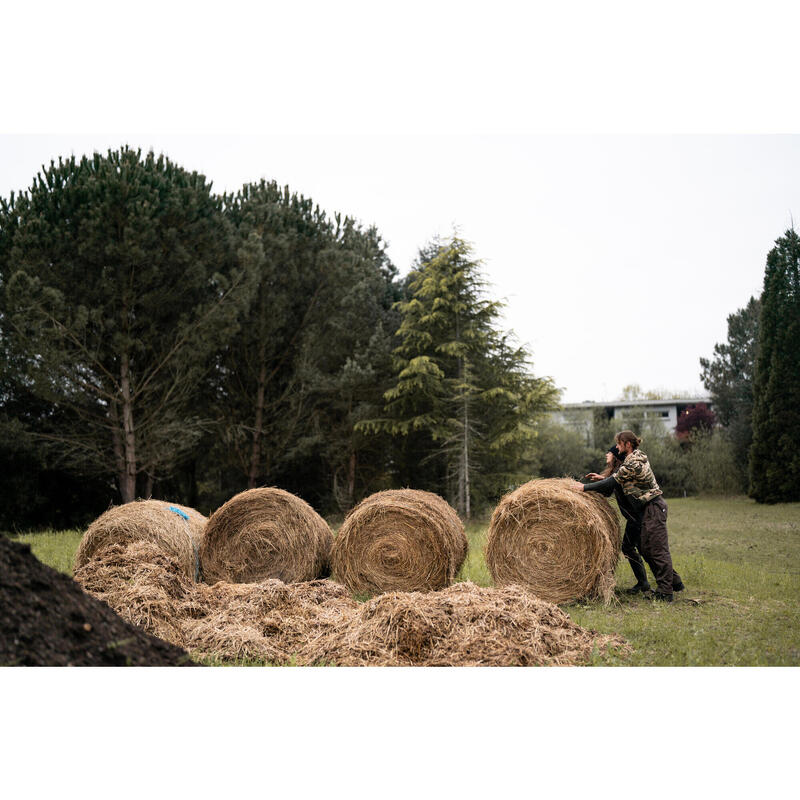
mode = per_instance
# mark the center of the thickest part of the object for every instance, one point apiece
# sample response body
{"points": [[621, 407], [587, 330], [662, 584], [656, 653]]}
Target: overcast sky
{"points": [[620, 257]]}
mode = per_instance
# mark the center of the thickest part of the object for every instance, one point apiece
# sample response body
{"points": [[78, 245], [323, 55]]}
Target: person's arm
{"points": [[605, 486]]}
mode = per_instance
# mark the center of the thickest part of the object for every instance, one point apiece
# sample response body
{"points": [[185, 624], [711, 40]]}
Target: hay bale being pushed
{"points": [[399, 540], [560, 544], [177, 530], [265, 533]]}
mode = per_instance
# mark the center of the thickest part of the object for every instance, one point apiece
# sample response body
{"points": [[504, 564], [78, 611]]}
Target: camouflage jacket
{"points": [[636, 478]]}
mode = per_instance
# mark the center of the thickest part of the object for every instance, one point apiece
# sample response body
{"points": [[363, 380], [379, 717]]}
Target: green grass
{"points": [[54, 548], [740, 562]]}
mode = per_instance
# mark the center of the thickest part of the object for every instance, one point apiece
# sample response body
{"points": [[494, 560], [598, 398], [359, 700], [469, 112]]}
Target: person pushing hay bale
{"points": [[265, 533], [560, 544], [177, 530], [399, 540]]}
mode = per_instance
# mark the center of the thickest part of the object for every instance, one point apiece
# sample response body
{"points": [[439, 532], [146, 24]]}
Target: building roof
{"points": [[667, 401]]}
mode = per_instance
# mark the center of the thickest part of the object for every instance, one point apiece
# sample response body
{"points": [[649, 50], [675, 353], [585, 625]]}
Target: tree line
{"points": [[159, 339]]}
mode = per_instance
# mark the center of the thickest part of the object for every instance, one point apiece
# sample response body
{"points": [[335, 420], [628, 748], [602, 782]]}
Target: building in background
{"points": [[581, 416]]}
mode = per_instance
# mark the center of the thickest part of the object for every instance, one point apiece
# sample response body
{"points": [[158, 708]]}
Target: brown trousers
{"points": [[655, 547]]}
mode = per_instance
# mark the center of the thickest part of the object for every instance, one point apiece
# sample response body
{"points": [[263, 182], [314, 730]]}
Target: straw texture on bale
{"points": [[265, 533], [399, 540], [317, 622], [560, 544], [147, 521]]}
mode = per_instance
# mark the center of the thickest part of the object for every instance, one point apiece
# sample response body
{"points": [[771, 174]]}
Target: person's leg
{"points": [[630, 542], [655, 545]]}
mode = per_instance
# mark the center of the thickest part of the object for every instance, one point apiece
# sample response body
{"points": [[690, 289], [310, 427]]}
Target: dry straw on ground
{"points": [[265, 533], [562, 545], [319, 623], [403, 539], [177, 534], [462, 625], [142, 584]]}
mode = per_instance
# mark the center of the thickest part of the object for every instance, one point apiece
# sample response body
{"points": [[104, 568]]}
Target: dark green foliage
{"points": [[775, 452], [728, 376], [463, 399], [121, 280], [560, 451], [713, 467], [311, 357]]}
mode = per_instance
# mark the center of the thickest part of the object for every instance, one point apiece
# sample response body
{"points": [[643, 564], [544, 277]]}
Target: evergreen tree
{"points": [[463, 398], [120, 281], [728, 376], [775, 452], [308, 358]]}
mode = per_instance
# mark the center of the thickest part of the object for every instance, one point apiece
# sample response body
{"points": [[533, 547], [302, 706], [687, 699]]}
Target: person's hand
{"points": [[594, 476], [575, 486]]}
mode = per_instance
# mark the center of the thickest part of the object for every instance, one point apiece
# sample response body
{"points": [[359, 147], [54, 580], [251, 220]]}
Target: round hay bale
{"points": [[178, 534], [560, 544], [399, 540], [265, 533]]}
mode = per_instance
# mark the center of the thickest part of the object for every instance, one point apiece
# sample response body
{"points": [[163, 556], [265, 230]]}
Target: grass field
{"points": [[740, 562]]}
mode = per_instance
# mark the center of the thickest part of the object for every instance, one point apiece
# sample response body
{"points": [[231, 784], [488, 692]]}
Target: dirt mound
{"points": [[47, 620], [318, 622]]}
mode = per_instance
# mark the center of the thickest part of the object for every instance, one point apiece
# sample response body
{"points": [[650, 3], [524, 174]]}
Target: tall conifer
{"points": [[775, 452], [463, 398]]}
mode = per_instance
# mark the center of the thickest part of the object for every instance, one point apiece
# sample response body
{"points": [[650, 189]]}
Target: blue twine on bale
{"points": [[179, 512], [194, 546]]}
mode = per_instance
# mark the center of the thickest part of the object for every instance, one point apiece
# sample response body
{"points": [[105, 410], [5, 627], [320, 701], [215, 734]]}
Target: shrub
{"points": [[712, 463], [559, 451], [668, 460]]}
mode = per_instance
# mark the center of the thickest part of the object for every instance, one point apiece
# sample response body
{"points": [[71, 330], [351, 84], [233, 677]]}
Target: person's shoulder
{"points": [[626, 468], [636, 461]]}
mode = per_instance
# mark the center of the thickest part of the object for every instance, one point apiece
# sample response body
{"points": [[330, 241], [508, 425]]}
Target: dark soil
{"points": [[46, 619]]}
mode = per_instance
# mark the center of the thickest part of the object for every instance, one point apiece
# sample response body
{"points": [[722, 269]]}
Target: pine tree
{"points": [[306, 363], [728, 376], [121, 280], [775, 452], [463, 399]]}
